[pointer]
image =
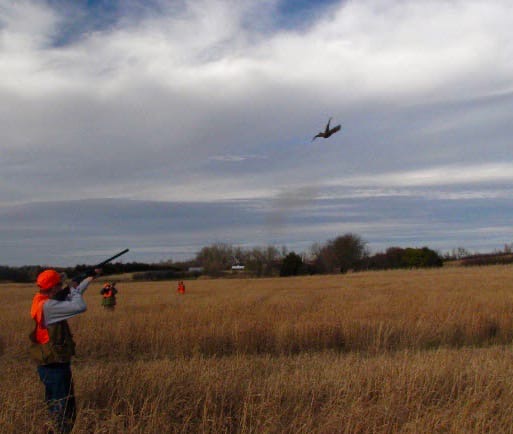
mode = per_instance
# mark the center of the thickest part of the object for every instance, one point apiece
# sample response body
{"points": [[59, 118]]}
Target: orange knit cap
{"points": [[48, 279]]}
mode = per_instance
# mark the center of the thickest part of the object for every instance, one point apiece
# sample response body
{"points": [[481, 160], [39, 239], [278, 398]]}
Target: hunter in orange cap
{"points": [[52, 343]]}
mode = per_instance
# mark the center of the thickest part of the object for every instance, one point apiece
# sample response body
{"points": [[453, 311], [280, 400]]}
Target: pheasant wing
{"points": [[335, 129]]}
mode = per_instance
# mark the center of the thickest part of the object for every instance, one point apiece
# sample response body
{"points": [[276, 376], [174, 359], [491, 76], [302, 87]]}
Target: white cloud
{"points": [[436, 176], [360, 49], [25, 25], [233, 158]]}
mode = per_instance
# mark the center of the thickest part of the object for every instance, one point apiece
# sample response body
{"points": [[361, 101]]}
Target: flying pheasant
{"points": [[327, 132]]}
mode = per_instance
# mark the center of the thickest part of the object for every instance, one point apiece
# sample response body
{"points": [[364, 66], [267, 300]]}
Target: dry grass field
{"points": [[419, 351]]}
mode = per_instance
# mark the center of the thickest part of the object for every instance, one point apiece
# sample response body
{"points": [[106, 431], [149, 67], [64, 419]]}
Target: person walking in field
{"points": [[52, 344], [181, 288], [109, 292]]}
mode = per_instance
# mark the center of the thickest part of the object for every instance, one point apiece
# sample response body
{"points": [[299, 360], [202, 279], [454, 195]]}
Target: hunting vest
{"points": [[52, 344], [109, 296]]}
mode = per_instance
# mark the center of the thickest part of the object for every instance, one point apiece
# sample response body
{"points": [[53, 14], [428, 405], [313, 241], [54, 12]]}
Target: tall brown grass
{"points": [[398, 351]]}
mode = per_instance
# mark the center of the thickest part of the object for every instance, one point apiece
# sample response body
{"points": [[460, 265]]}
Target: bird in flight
{"points": [[327, 132]]}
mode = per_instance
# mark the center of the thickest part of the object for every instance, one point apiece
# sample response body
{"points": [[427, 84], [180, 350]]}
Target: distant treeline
{"points": [[394, 257], [339, 255], [487, 259], [397, 257], [23, 274], [28, 273], [160, 274], [121, 268]]}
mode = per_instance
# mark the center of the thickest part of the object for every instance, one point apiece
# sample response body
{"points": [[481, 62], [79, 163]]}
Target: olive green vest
{"points": [[59, 349], [109, 301]]}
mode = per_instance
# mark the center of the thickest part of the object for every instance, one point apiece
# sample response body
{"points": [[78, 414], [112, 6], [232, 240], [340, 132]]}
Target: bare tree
{"points": [[215, 258], [261, 260]]}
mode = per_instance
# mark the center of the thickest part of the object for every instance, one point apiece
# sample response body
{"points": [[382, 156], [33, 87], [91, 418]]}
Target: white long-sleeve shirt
{"points": [[59, 310]]}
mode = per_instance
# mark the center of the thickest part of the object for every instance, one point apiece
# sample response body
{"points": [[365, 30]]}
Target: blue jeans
{"points": [[59, 394]]}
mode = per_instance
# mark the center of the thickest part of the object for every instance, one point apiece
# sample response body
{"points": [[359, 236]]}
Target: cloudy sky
{"points": [[164, 126]]}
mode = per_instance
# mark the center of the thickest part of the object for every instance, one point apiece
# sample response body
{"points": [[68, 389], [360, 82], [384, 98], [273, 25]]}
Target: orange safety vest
{"points": [[36, 312], [107, 294], [52, 344]]}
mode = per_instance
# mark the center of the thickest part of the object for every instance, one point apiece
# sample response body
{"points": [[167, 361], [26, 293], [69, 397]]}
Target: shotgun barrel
{"points": [[117, 255], [90, 271]]}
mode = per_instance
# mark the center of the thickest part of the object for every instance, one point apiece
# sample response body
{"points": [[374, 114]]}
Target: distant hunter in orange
{"points": [[181, 288], [109, 292]]}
